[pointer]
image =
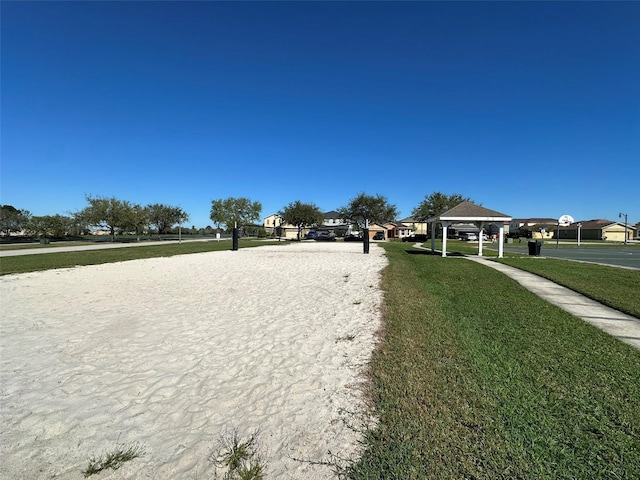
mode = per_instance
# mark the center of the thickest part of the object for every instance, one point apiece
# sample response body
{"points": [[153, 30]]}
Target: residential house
{"points": [[333, 219], [376, 228], [540, 227], [334, 223], [275, 226], [598, 229], [397, 230], [418, 227]]}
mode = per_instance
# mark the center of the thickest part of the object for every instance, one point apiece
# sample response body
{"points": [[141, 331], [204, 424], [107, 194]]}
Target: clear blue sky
{"points": [[529, 108]]}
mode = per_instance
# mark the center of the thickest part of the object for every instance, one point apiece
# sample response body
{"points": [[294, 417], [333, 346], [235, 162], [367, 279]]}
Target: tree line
{"points": [[120, 217], [362, 210]]}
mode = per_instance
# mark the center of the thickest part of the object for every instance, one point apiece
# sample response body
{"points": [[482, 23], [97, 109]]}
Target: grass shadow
{"points": [[436, 253]]}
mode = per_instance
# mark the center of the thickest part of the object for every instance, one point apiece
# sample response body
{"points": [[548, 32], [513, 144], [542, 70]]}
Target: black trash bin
{"points": [[534, 248]]}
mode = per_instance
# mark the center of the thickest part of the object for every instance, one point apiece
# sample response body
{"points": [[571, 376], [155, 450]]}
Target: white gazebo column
{"points": [[501, 241], [480, 225], [445, 226]]}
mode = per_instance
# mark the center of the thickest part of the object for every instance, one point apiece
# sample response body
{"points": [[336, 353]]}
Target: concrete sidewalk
{"points": [[620, 325]]}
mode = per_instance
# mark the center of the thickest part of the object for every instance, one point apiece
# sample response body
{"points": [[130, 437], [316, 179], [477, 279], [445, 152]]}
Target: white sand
{"points": [[172, 352]]}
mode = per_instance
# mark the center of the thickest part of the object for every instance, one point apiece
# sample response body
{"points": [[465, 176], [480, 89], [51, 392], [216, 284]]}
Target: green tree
{"points": [[57, 226], [12, 219], [302, 215], [366, 209], [38, 226], [164, 217], [233, 212], [182, 217], [77, 225], [108, 213], [139, 220], [437, 203]]}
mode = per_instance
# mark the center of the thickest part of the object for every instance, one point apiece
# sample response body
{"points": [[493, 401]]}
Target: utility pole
{"points": [[620, 215]]}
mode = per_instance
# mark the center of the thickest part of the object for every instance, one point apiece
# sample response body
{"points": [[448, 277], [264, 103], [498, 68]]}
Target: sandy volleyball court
{"points": [[170, 353]]}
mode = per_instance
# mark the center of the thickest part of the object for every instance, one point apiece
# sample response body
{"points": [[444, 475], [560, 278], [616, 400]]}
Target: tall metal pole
{"points": [[234, 237], [365, 238], [625, 225]]}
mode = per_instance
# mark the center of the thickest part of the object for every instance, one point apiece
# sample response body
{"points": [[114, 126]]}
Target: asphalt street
{"points": [[627, 257]]}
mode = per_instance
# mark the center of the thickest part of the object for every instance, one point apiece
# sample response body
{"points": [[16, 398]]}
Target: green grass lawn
{"points": [[617, 288], [455, 246], [45, 261], [478, 378], [28, 246]]}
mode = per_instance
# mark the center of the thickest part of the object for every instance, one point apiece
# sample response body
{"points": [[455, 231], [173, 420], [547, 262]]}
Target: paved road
{"points": [[627, 257]]}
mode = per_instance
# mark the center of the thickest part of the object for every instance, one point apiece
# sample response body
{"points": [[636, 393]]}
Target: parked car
{"points": [[312, 235], [325, 237], [379, 236], [469, 237], [416, 237], [352, 238]]}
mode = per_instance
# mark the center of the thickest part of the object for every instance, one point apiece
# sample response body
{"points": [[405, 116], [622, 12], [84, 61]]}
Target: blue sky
{"points": [[529, 108]]}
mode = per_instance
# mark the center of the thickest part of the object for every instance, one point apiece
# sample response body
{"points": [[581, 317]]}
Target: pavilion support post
{"points": [[480, 226], [501, 241], [445, 227]]}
